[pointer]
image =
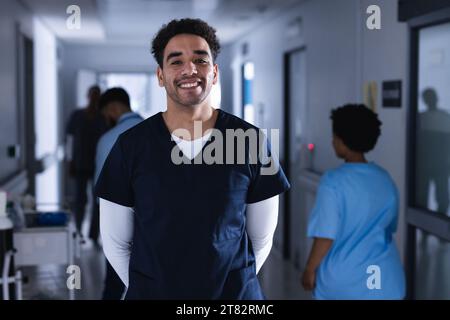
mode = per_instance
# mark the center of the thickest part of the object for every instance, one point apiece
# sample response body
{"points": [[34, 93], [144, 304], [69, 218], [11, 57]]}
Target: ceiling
{"points": [[134, 22]]}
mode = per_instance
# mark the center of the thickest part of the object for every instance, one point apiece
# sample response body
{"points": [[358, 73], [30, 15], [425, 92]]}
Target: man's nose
{"points": [[189, 69]]}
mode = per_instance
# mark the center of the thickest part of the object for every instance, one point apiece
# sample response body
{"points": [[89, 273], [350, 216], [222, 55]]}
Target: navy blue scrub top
{"points": [[190, 239]]}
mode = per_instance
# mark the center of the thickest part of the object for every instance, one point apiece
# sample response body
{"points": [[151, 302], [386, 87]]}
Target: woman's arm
{"points": [[318, 252]]}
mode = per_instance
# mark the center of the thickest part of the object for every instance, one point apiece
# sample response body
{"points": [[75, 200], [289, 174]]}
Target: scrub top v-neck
{"points": [[189, 239]]}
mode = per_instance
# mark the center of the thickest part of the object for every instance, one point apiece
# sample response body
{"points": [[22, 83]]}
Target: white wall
{"points": [[385, 57], [341, 54], [46, 112], [85, 79], [329, 36], [10, 14], [14, 17], [224, 60]]}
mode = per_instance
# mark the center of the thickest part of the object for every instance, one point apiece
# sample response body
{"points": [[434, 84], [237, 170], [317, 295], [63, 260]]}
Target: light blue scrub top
{"points": [[357, 207], [106, 142]]}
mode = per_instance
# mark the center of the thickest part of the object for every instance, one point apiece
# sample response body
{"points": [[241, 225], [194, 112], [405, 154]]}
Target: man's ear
{"points": [[216, 73], [159, 73]]}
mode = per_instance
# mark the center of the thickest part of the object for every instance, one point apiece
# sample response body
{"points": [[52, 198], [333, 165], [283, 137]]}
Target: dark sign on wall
{"points": [[392, 94]]}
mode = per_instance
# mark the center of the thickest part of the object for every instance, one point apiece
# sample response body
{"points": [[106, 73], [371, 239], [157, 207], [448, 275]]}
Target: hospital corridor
{"points": [[225, 150]]}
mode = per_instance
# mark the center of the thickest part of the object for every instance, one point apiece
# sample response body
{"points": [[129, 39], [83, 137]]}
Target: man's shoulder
{"points": [[111, 134], [129, 124]]}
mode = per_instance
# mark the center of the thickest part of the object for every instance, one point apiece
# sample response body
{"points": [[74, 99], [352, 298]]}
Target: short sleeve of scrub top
{"points": [[114, 182], [324, 218], [269, 179]]}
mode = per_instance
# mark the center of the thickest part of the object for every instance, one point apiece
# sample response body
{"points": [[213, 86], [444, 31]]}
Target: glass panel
{"points": [[248, 76], [433, 120], [432, 267]]}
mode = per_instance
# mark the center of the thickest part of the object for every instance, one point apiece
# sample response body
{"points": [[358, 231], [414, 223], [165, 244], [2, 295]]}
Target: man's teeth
{"points": [[189, 85]]}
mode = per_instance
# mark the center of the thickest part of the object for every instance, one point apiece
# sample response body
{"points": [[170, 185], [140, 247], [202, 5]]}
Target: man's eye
{"points": [[176, 62], [202, 61]]}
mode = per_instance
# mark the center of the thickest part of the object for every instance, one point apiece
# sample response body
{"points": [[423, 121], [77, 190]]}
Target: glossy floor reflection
{"points": [[50, 282], [279, 279], [432, 267]]}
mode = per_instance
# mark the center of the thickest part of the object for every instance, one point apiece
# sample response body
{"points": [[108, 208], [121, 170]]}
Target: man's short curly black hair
{"points": [[190, 26], [357, 126]]}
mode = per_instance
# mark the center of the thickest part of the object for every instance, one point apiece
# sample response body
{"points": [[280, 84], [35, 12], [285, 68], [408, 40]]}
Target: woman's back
{"points": [[357, 207]]}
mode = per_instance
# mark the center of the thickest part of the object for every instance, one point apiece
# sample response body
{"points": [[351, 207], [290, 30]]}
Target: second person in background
{"points": [[354, 255]]}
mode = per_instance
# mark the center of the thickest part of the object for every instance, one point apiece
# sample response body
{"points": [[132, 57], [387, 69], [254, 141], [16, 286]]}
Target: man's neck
{"points": [[184, 117], [120, 114]]}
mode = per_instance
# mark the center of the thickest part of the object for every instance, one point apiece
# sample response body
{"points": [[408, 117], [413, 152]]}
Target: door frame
{"points": [[25, 106], [287, 150]]}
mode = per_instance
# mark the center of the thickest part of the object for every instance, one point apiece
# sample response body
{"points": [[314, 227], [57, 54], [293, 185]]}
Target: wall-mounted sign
{"points": [[392, 94]]}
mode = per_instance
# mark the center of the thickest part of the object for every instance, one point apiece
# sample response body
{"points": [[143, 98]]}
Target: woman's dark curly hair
{"points": [[190, 26], [357, 126]]}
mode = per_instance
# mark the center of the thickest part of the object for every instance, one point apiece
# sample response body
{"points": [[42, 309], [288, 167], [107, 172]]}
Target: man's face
{"points": [[188, 72]]}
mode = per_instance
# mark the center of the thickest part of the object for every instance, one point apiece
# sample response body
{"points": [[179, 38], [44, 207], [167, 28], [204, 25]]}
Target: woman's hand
{"points": [[319, 250], [309, 279]]}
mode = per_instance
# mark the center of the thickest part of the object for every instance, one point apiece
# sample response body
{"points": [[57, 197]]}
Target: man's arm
{"points": [[319, 250], [262, 218], [116, 229]]}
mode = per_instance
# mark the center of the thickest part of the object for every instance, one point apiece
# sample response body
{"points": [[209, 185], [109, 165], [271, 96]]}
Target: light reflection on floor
{"points": [[279, 279]]}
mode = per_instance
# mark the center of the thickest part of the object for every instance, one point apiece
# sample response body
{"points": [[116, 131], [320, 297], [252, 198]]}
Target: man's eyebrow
{"points": [[201, 52], [173, 54]]}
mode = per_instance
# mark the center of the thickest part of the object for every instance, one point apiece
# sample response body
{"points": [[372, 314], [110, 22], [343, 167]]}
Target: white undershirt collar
{"points": [[191, 148]]}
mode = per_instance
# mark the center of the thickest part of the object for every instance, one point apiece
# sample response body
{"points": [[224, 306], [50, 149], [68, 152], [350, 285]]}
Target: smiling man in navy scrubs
{"points": [[190, 230]]}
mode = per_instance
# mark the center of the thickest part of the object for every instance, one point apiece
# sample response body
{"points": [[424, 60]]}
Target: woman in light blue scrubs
{"points": [[354, 255]]}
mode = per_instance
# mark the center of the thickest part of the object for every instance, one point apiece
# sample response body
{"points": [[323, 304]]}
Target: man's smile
{"points": [[189, 84]]}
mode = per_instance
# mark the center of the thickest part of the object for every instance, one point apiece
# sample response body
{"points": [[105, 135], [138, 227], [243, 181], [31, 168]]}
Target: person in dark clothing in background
{"points": [[85, 128]]}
